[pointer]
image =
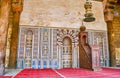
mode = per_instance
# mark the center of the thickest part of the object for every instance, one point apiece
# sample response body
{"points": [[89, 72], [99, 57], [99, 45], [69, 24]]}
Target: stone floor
{"points": [[11, 72]]}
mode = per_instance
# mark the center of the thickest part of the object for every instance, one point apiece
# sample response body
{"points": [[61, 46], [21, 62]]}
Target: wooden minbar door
{"points": [[96, 58]]}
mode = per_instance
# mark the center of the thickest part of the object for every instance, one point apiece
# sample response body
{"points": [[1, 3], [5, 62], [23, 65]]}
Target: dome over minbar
{"points": [[82, 28]]}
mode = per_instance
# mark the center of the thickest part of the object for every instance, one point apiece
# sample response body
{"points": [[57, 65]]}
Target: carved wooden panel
{"points": [[96, 57]]}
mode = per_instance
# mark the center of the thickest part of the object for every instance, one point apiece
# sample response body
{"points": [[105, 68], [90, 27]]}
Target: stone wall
{"points": [[116, 28], [61, 13], [117, 50], [116, 35]]}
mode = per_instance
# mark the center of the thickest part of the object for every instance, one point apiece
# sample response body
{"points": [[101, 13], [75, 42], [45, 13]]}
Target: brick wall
{"points": [[116, 28], [116, 31]]}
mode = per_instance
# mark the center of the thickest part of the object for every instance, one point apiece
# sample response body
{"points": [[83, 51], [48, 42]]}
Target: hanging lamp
{"points": [[88, 14]]}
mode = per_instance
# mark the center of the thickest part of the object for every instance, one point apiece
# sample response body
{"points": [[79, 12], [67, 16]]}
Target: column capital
{"points": [[108, 15], [109, 10], [17, 6]]}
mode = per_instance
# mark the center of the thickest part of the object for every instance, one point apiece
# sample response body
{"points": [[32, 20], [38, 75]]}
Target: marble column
{"points": [[109, 15], [111, 43], [17, 7], [9, 38], [4, 21]]}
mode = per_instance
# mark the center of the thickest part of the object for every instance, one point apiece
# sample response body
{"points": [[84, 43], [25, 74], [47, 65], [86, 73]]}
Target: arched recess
{"points": [[64, 34], [28, 49], [67, 53]]}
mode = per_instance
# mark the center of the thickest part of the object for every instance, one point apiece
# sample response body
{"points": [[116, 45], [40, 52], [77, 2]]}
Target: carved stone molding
{"points": [[62, 33]]}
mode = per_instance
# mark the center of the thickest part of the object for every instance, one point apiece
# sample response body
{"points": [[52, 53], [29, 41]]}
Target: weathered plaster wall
{"points": [[60, 13]]}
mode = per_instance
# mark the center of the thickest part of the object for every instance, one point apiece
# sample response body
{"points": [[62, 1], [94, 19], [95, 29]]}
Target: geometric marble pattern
{"points": [[47, 46]]}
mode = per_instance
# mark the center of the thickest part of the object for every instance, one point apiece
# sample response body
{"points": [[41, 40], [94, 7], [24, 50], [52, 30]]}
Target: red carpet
{"points": [[37, 73], [68, 73], [5, 76], [83, 73]]}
